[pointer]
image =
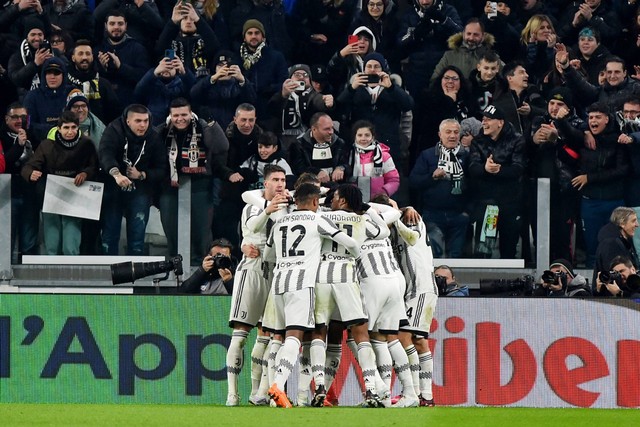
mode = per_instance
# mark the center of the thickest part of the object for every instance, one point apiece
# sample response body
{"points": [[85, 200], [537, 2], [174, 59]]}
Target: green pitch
{"points": [[198, 415]]}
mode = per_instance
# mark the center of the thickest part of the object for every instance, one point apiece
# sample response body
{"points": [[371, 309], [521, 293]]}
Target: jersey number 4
{"points": [[292, 250]]}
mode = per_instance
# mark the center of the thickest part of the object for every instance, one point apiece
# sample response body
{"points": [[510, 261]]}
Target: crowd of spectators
{"points": [[467, 102]]}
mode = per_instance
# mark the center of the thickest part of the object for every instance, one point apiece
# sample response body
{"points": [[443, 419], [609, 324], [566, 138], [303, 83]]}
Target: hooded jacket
{"points": [[461, 56], [45, 104]]}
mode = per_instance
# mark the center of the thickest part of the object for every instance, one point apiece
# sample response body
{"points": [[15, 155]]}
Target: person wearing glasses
{"points": [[448, 97], [18, 144]]}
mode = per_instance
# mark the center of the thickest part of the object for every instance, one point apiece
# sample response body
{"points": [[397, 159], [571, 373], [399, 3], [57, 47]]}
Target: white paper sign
{"points": [[62, 197]]}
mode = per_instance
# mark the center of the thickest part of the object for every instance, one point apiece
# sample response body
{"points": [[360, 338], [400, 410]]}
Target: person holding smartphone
{"points": [[373, 96], [190, 37]]}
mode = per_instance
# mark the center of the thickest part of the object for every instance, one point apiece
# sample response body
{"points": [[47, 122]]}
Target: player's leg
{"points": [[257, 364]]}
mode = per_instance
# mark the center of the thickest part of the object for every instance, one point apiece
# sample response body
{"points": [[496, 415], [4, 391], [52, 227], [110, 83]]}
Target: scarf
{"points": [[377, 159], [27, 150], [448, 160], [88, 81], [198, 59], [192, 157], [27, 56], [292, 123], [66, 143], [251, 59], [374, 92]]}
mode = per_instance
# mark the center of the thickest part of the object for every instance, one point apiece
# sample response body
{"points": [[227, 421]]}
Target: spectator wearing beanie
{"points": [[90, 125], [293, 106], [264, 66], [270, 15], [25, 64]]}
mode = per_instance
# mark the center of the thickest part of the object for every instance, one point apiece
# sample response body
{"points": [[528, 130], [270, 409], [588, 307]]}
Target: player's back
{"points": [[415, 261], [296, 240]]}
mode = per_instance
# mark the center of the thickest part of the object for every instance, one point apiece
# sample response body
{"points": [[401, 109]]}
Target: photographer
{"points": [[446, 282], [215, 275], [560, 281], [621, 281]]}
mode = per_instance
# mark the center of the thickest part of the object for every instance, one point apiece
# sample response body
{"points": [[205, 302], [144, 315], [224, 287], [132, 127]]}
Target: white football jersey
{"points": [[295, 243], [376, 259], [415, 260]]}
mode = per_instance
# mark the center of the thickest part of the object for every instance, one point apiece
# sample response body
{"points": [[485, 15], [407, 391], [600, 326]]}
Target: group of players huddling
{"points": [[310, 272]]}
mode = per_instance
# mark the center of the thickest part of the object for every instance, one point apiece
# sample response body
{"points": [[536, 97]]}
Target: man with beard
{"points": [[145, 23], [82, 73], [73, 16], [262, 65], [121, 59], [133, 155], [25, 65], [466, 48], [18, 144], [191, 38], [188, 141]]}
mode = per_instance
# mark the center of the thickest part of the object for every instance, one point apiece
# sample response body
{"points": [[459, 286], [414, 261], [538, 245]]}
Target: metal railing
{"points": [[74, 273]]}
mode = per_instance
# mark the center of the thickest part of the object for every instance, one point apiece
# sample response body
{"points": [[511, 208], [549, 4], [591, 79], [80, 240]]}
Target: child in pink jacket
{"points": [[371, 158]]}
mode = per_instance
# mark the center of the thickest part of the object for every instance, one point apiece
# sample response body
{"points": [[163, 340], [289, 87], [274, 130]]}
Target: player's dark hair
{"points": [[381, 199], [269, 169], [305, 193], [306, 177], [352, 195]]}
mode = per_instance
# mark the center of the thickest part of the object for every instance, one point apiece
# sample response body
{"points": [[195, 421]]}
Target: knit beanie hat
{"points": [[253, 23], [562, 94], [300, 67], [563, 263], [76, 95], [375, 56]]}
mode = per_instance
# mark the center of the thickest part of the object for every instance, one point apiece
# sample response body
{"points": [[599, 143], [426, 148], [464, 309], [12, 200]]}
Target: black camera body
{"points": [[552, 277], [610, 277], [221, 261], [522, 286]]}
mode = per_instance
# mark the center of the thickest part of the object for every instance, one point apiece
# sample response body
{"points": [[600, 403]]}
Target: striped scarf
{"points": [[448, 160]]}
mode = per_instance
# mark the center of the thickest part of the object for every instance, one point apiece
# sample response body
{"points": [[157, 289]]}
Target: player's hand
{"points": [[410, 216], [279, 201], [225, 274], [250, 251]]}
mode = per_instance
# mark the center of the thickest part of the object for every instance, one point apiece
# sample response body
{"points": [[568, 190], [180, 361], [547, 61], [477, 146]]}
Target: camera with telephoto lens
{"points": [[221, 261], [129, 272], [552, 277], [522, 286], [610, 277], [441, 283]]}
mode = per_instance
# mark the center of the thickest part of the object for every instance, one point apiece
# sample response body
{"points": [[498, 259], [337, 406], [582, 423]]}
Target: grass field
{"points": [[184, 415]]}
